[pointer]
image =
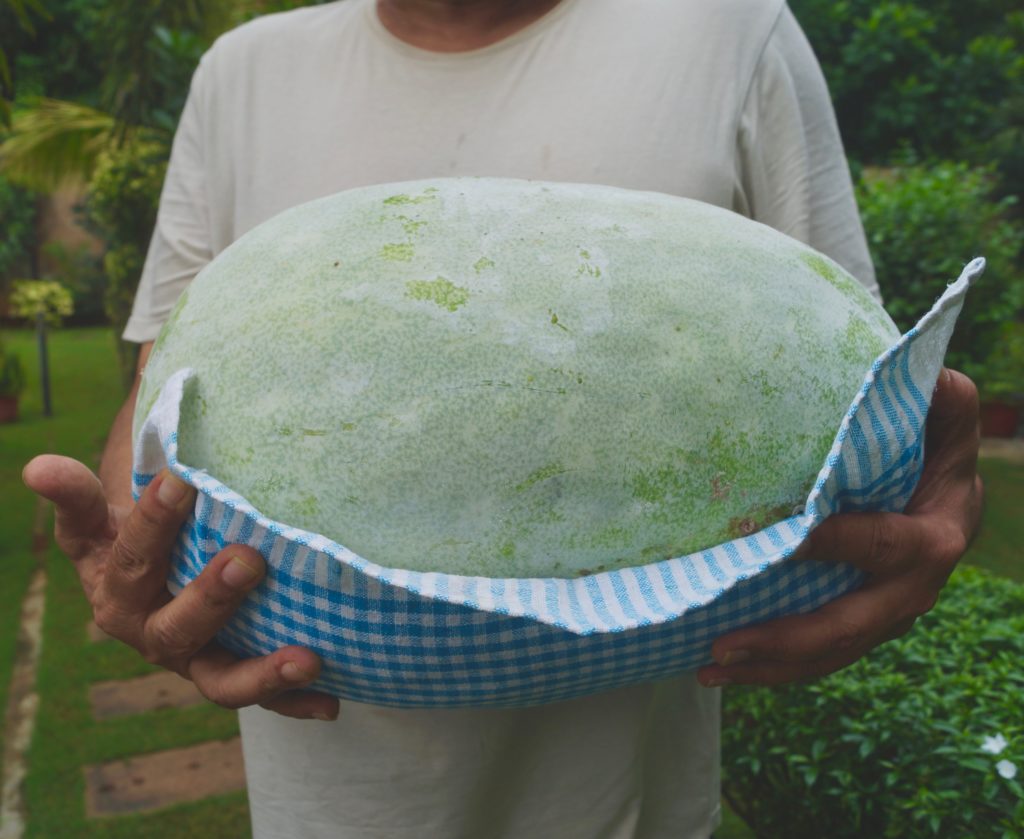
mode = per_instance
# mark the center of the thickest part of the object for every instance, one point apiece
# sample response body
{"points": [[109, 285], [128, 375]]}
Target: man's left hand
{"points": [[908, 558]]}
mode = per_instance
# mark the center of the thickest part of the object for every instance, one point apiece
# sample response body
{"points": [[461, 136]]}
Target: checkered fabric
{"points": [[409, 639]]}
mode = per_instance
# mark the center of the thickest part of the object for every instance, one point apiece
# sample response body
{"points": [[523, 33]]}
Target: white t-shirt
{"points": [[718, 100]]}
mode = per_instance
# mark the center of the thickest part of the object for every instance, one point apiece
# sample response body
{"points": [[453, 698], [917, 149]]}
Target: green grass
{"points": [[998, 546], [86, 395], [85, 399]]}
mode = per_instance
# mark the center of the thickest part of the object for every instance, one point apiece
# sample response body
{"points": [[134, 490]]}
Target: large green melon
{"points": [[517, 379]]}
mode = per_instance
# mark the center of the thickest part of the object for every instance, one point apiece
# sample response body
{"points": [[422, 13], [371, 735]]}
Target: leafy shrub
{"points": [[120, 206], [923, 737], [935, 75], [12, 373], [17, 221], [923, 224], [1003, 378], [32, 298]]}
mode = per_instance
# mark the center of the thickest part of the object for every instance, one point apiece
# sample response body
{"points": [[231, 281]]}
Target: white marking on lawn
{"points": [[23, 701]]}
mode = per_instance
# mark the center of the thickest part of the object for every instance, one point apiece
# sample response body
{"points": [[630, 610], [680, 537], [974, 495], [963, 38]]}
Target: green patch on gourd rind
{"points": [[402, 199], [308, 505], [410, 226], [859, 341], [656, 485], [761, 379], [441, 291], [397, 252], [541, 474], [714, 358], [828, 272]]}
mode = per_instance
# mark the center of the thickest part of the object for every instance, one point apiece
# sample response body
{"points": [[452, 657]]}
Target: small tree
{"points": [[44, 303]]}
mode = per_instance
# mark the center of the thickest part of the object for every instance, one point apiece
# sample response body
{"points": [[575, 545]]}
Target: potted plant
{"points": [[12, 383], [1001, 383]]}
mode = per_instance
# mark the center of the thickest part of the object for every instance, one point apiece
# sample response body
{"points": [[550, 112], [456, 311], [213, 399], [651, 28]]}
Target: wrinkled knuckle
{"points": [[132, 564], [269, 684], [846, 636], [151, 517], [886, 545], [105, 616], [171, 642], [781, 648], [216, 693]]}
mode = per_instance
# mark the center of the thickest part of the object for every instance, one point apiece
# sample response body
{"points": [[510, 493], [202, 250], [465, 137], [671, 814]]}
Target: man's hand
{"points": [[908, 558], [122, 559]]}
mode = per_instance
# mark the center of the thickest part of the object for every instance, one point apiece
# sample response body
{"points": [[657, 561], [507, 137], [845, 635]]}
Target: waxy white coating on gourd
{"points": [[517, 379]]}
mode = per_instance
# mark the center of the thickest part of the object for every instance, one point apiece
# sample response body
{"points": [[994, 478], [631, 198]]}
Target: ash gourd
{"points": [[517, 379]]}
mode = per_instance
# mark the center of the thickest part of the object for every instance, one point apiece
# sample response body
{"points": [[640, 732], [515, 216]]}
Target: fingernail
{"points": [[293, 673], [735, 656], [238, 574], [171, 491], [320, 715]]}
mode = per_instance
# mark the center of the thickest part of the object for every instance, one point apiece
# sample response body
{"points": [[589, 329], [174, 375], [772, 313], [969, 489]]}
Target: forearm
{"points": [[116, 465]]}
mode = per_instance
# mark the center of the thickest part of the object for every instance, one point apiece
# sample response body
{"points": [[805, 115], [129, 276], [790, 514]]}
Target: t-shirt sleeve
{"points": [[794, 175], [180, 245]]}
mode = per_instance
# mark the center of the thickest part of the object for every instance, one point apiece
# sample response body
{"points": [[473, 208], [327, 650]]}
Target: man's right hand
{"points": [[122, 558]]}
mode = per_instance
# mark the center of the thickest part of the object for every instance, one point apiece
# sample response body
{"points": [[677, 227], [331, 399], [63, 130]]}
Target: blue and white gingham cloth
{"points": [[410, 639]]}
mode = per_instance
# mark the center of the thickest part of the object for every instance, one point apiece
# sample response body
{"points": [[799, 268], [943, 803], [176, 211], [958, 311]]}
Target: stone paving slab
{"points": [[1004, 449], [145, 693], [157, 780]]}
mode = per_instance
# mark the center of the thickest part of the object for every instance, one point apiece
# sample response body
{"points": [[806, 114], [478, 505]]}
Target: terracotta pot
{"points": [[999, 419], [8, 409]]}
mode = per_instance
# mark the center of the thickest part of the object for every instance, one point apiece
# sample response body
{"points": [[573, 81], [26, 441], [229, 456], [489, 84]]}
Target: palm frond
{"points": [[23, 11], [53, 142]]}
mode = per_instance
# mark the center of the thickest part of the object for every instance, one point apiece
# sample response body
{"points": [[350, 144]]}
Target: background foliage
{"points": [[922, 223], [943, 77], [120, 206], [17, 221], [897, 745], [930, 103]]}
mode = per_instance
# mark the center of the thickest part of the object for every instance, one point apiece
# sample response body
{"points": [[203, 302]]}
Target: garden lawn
{"points": [[86, 395], [998, 546]]}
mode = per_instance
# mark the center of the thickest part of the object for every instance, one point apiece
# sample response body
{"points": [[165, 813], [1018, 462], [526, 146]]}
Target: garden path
{"points": [[157, 779]]}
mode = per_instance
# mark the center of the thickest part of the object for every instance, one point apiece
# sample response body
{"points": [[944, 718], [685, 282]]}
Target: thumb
{"points": [[76, 493], [953, 416]]}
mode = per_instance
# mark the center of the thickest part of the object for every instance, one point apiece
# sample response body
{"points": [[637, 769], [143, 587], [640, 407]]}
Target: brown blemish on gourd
{"points": [[741, 526], [719, 488]]}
